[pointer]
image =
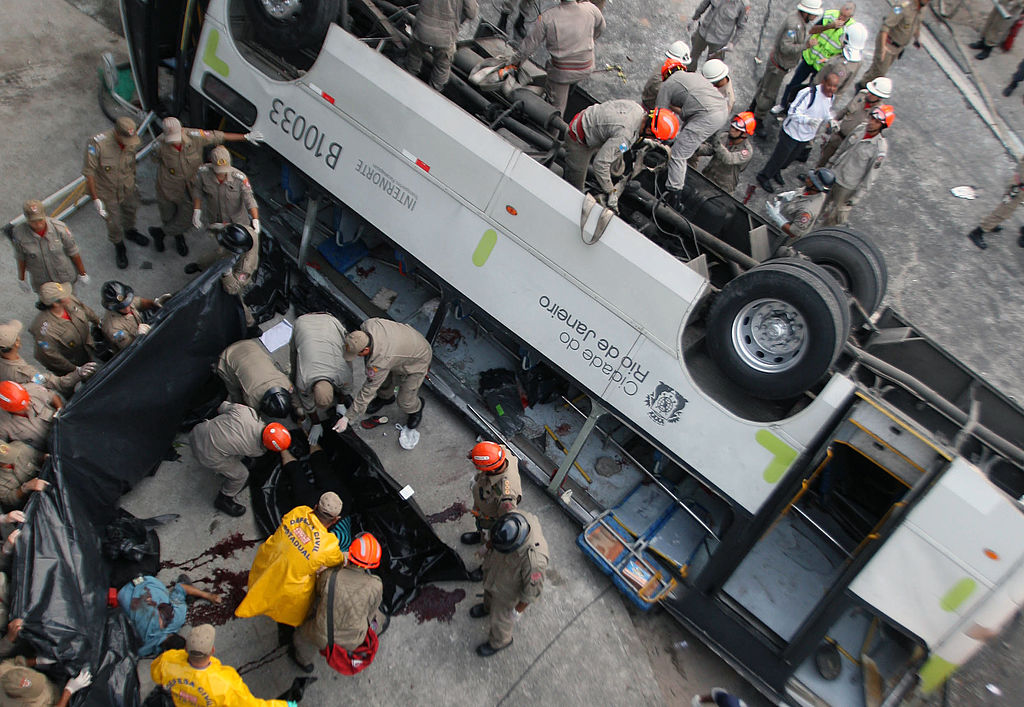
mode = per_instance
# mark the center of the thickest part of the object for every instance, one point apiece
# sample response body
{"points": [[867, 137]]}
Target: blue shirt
{"points": [[140, 603]]}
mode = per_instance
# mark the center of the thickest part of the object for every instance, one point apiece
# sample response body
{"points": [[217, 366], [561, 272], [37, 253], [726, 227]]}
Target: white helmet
{"points": [[679, 50], [854, 39], [881, 87], [811, 7], [714, 70]]}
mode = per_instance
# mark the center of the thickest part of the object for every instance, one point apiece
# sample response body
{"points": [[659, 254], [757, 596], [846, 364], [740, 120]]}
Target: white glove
{"points": [[613, 201], [256, 225], [833, 125], [14, 517], [775, 214], [197, 218], [143, 329], [100, 208], [86, 369], [254, 136], [316, 432], [788, 195], [83, 679], [24, 286], [341, 425], [513, 614], [726, 48], [162, 299], [84, 278], [40, 660]]}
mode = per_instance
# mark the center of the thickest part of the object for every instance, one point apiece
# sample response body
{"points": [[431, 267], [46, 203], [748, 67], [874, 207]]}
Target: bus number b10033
{"points": [[304, 132]]}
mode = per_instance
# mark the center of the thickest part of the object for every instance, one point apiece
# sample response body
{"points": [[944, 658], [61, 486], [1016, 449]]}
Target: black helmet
{"points": [[509, 532], [116, 295], [276, 402], [235, 238], [822, 179]]}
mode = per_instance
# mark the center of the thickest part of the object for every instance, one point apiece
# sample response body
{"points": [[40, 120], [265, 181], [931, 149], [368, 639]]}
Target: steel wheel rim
{"points": [[281, 9], [769, 335]]}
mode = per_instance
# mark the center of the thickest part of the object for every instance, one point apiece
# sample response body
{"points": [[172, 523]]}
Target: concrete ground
{"points": [[581, 644]]}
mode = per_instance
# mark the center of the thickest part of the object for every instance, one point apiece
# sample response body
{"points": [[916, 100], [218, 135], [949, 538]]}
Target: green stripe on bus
{"points": [[935, 672], [957, 594], [783, 455], [484, 247], [210, 54]]}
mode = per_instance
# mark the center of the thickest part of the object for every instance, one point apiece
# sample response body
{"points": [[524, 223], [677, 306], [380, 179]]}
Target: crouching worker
{"points": [[252, 378]]}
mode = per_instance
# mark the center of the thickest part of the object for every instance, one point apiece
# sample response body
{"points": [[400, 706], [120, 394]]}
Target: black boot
{"points": [[192, 268], [304, 667], [136, 237], [1020, 238], [158, 238], [476, 575], [414, 418], [377, 403], [977, 237], [1010, 89], [779, 180], [478, 611], [980, 44], [486, 650], [474, 538], [983, 54], [503, 21], [765, 184], [519, 26], [120, 256], [228, 505], [180, 245]]}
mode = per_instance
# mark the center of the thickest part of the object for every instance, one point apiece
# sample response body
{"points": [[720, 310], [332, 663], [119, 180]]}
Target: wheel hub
{"points": [[281, 9], [769, 335]]}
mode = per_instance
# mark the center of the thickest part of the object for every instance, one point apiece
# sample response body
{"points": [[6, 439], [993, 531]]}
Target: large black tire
{"points": [[777, 329], [306, 28], [852, 259]]}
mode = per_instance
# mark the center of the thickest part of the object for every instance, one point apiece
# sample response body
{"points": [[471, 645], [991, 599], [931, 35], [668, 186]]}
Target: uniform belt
{"points": [[892, 43], [572, 65], [576, 129]]}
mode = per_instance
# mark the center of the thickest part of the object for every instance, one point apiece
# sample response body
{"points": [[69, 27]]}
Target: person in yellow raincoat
{"points": [[282, 580]]}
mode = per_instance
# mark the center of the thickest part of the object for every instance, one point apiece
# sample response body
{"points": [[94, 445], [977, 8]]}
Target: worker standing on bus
{"points": [[224, 192], [514, 566], [395, 354], [568, 31], [795, 212], [435, 31], [109, 173], [179, 155]]}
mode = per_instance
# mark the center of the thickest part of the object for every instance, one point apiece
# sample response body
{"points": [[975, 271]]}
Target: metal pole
{"points": [[312, 207], [596, 411]]}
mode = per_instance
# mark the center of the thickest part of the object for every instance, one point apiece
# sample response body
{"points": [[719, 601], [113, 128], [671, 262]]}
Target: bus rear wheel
{"points": [[852, 259], [290, 25]]}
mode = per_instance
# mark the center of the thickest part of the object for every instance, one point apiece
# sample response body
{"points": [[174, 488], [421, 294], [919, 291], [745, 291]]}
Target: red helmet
{"points": [[744, 121], [276, 437], [13, 397], [884, 113], [664, 123], [365, 552], [487, 456], [670, 67]]}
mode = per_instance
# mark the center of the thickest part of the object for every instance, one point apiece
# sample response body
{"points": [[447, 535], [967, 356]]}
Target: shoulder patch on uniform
{"points": [[897, 10], [119, 334], [803, 218], [44, 345], [791, 33], [536, 577], [744, 152], [196, 133], [241, 177], [623, 147], [371, 372], [92, 149], [99, 137], [39, 379], [43, 327]]}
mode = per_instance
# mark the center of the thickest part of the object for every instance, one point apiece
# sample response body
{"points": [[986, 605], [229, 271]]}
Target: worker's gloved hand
{"points": [[84, 278], [100, 208], [197, 218], [775, 214], [162, 299], [613, 201], [13, 517], [256, 226], [833, 126], [24, 286], [83, 679], [787, 195], [143, 329], [43, 660], [254, 136], [341, 425], [315, 433], [86, 369]]}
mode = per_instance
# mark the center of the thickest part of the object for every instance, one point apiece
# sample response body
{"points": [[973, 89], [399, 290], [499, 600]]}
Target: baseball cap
{"points": [[50, 292], [126, 130], [9, 332], [172, 130], [323, 392], [34, 209], [354, 343], [199, 643], [24, 686], [221, 159], [329, 504]]}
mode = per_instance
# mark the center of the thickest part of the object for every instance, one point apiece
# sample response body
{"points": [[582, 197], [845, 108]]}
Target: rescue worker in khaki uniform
{"points": [[435, 31], [1012, 198], [14, 368], [602, 133], [997, 27], [109, 173], [179, 155], [853, 114], [730, 152], [824, 42], [795, 212], [223, 194], [63, 329], [282, 580], [719, 29], [194, 677], [846, 64], [790, 42], [19, 467], [321, 372], [855, 164], [677, 53], [514, 566], [702, 112], [27, 413], [243, 243], [356, 604], [394, 353], [901, 27], [25, 687], [497, 490], [252, 378], [568, 31], [220, 443], [123, 319], [45, 248]]}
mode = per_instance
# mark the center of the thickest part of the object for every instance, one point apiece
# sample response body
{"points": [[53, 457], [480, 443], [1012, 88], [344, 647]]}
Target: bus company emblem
{"points": [[666, 405]]}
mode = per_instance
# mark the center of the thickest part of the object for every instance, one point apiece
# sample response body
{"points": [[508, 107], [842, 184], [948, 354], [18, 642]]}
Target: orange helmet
{"points": [[670, 67], [884, 113], [364, 552], [664, 123], [487, 456], [744, 121], [13, 397], [276, 437]]}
